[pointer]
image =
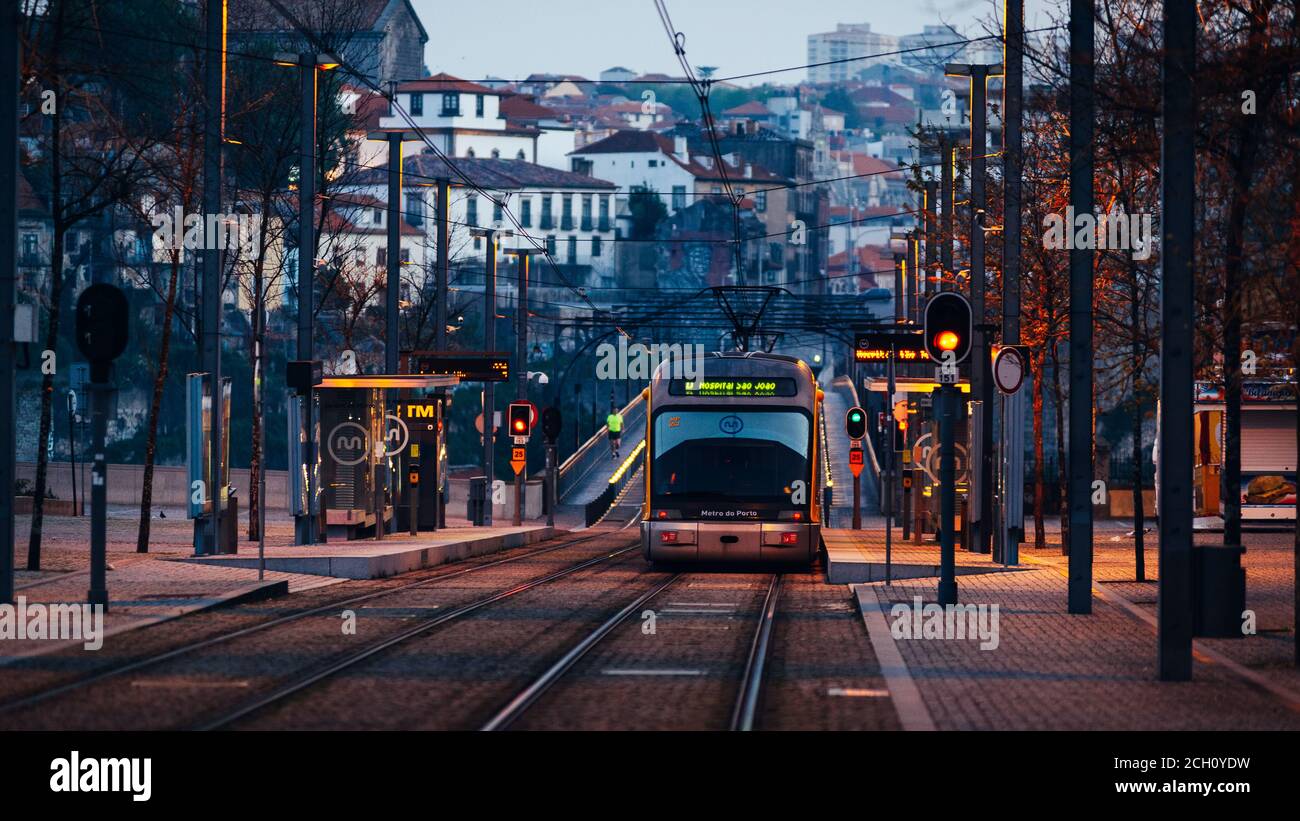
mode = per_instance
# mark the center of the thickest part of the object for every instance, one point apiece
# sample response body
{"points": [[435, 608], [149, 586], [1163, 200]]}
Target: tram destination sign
{"points": [[775, 386], [468, 365], [906, 345]]}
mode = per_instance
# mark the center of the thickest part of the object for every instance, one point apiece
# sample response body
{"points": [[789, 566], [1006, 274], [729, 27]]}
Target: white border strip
{"points": [[912, 712]]}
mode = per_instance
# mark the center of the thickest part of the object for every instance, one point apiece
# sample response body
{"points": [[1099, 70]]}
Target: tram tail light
{"points": [[668, 537], [790, 538]]}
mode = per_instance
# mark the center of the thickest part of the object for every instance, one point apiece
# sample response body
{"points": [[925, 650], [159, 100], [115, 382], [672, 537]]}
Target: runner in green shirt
{"points": [[614, 423]]}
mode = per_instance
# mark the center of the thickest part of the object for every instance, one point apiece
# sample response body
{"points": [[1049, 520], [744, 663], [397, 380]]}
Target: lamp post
{"points": [[306, 528]]}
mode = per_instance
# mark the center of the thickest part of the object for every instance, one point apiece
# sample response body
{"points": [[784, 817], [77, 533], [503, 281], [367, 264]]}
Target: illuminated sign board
{"points": [[875, 346], [469, 366], [776, 386], [882, 355]]}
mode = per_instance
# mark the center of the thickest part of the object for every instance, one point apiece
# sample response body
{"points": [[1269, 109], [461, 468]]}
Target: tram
{"points": [[731, 461]]}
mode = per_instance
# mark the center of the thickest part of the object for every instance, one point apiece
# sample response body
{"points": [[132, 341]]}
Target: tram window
{"points": [[750, 455]]}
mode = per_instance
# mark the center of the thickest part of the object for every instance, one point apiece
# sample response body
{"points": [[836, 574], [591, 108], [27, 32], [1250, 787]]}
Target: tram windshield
{"points": [[722, 455]]}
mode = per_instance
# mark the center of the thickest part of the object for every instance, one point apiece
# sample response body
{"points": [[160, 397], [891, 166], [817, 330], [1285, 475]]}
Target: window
{"points": [[654, 163], [566, 212], [406, 255], [526, 212], [30, 245], [604, 213], [471, 210], [377, 216], [595, 245], [550, 244], [415, 209], [586, 212], [497, 215], [417, 105], [360, 257], [573, 250], [478, 105], [760, 199], [679, 197], [469, 153], [717, 189], [496, 153], [451, 104], [520, 155], [547, 219], [381, 257]]}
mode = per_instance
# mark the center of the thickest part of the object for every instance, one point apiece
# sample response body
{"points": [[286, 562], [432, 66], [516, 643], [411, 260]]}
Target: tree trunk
{"points": [[1040, 385], [51, 342], [155, 405], [1139, 366]]}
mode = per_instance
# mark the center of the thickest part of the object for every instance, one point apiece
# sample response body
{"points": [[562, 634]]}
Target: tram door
{"points": [[423, 457]]}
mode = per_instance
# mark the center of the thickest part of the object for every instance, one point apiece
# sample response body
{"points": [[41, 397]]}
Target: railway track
{"points": [[748, 696], [189, 648]]}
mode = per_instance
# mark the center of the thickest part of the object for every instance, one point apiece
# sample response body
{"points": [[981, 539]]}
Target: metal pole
{"points": [[1178, 200], [948, 225], [981, 377], [1080, 410], [1012, 161], [98, 593], [393, 289], [489, 388], [443, 239], [946, 397], [306, 526], [9, 74], [214, 113], [72, 445], [521, 360], [929, 287], [889, 472], [899, 286]]}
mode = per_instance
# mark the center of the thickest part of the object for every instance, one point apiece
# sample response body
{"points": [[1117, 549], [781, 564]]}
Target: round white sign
{"points": [[1009, 370]]}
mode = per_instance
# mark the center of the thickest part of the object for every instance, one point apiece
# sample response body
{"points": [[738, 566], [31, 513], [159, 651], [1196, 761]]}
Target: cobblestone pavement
{"points": [[1053, 670]]}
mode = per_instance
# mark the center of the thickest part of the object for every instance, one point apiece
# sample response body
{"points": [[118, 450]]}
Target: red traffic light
{"points": [[520, 419], [947, 341]]}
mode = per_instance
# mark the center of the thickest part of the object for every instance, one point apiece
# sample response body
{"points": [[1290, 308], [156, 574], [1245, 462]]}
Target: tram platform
{"points": [[370, 559], [858, 556]]}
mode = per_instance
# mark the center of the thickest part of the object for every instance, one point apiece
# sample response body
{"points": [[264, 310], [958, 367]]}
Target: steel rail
{"points": [[150, 661], [742, 717]]}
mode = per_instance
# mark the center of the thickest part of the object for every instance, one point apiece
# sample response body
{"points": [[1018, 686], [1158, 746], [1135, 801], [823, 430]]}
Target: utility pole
{"points": [[443, 240], [900, 306], [1178, 203], [305, 530], [1082, 52], [214, 114], [521, 360], [981, 376], [9, 74]]}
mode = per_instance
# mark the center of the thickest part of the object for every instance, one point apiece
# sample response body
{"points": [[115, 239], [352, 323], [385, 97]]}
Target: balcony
{"points": [[548, 222], [586, 224], [603, 225], [566, 222]]}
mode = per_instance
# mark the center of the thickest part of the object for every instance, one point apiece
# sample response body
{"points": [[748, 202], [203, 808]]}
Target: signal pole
{"points": [[948, 225], [521, 359], [1012, 161], [490, 238], [981, 377], [1082, 53]]}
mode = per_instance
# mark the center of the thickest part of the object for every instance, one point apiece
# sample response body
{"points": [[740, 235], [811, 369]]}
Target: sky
{"points": [[516, 38]]}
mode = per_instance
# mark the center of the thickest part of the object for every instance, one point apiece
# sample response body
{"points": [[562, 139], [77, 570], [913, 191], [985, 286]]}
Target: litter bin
{"points": [[1218, 590], [228, 543], [477, 500]]}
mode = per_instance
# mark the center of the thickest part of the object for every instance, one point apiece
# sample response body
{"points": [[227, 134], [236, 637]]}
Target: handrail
{"points": [[599, 434]]}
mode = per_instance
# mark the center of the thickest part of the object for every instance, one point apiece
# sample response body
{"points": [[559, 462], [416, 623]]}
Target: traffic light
{"points": [[520, 418], [855, 422], [948, 327], [900, 436], [551, 423]]}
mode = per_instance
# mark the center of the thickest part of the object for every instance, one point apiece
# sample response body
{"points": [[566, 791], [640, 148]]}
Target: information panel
{"points": [[777, 386]]}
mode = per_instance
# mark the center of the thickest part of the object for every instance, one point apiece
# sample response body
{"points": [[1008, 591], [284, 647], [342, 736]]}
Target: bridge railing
{"points": [[594, 453]]}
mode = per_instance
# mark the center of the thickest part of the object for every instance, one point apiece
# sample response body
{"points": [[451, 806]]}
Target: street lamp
{"points": [[306, 525]]}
